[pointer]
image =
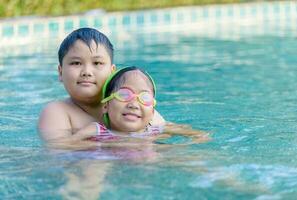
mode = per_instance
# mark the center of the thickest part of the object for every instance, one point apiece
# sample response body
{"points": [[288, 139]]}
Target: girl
{"points": [[129, 100]]}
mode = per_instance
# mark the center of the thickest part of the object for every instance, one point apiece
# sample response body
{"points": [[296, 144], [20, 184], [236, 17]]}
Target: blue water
{"points": [[240, 89]]}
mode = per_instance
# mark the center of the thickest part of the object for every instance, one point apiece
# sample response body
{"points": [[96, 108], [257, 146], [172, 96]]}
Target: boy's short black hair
{"points": [[87, 35]]}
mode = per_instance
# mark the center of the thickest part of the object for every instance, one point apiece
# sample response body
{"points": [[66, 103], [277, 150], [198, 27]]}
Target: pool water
{"points": [[240, 89]]}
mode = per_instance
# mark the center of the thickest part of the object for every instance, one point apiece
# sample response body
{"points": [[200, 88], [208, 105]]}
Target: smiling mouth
{"points": [[86, 82], [131, 115]]}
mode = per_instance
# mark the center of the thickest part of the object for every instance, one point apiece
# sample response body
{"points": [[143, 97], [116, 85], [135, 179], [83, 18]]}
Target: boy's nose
{"points": [[86, 71]]}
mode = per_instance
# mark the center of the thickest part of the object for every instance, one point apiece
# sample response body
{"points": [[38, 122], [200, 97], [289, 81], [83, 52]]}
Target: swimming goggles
{"points": [[126, 94]]}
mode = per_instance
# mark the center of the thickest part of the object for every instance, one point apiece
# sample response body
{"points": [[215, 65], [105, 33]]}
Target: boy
{"points": [[85, 62]]}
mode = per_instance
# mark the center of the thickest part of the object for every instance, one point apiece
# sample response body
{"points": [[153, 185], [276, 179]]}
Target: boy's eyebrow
{"points": [[77, 57], [98, 56], [74, 57]]}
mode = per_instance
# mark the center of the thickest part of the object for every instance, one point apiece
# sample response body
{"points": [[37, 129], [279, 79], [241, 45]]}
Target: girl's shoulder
{"points": [[158, 120]]}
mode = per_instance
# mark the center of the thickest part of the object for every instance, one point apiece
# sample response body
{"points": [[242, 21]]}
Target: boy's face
{"points": [[131, 116], [84, 70]]}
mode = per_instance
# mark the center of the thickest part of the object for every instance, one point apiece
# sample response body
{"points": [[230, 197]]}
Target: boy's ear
{"points": [[60, 73]]}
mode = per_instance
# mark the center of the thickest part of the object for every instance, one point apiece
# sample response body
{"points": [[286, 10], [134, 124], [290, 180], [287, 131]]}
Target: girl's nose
{"points": [[133, 104]]}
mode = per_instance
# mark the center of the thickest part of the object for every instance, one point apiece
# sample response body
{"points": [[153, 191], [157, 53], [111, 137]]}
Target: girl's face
{"points": [[84, 71], [131, 116]]}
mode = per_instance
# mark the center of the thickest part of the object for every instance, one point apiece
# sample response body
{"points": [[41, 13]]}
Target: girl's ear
{"points": [[105, 108], [60, 73], [113, 68]]}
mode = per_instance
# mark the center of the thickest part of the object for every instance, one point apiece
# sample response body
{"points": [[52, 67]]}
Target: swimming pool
{"points": [[239, 87]]}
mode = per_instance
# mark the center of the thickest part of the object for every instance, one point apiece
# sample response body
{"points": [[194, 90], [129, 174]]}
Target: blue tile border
{"points": [[148, 20]]}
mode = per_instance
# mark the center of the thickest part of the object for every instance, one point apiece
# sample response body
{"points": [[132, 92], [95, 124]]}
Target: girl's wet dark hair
{"points": [[87, 35], [114, 81]]}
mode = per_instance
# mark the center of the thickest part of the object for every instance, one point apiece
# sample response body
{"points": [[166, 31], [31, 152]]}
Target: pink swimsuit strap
{"points": [[104, 133]]}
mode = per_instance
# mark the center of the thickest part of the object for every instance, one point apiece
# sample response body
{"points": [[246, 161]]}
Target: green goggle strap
{"points": [[106, 120], [107, 98]]}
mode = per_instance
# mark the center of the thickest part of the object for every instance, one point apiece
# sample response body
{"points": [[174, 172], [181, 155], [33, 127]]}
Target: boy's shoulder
{"points": [[65, 110], [60, 105], [54, 116], [55, 110], [62, 115], [58, 108]]}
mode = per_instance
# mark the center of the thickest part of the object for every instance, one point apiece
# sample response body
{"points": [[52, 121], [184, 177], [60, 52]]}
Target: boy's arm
{"points": [[55, 125]]}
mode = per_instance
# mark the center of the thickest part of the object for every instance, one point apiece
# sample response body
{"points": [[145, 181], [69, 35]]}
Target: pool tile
{"points": [[140, 19], [97, 23], [153, 18], [83, 22], [205, 13], [180, 17], [112, 21], [68, 25], [53, 26], [167, 17], [23, 30], [218, 13], [7, 31], [126, 20], [194, 16], [276, 8], [253, 10], [242, 12]]}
